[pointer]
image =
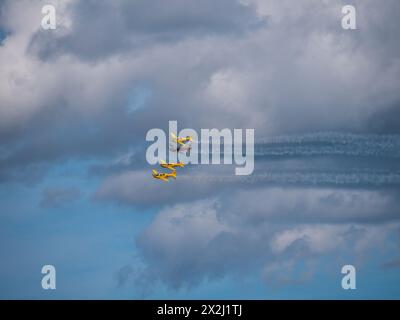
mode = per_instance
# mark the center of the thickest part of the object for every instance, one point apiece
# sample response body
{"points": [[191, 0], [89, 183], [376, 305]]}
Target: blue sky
{"points": [[76, 191]]}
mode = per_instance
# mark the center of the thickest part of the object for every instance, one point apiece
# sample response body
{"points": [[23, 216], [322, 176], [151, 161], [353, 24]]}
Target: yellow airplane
{"points": [[164, 176], [181, 141], [171, 166]]}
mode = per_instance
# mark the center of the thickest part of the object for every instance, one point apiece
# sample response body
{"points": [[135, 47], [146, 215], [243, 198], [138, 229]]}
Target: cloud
{"points": [[139, 188], [324, 160], [57, 197], [395, 263], [102, 29], [189, 243], [123, 275], [311, 205], [280, 67], [84, 88], [175, 243]]}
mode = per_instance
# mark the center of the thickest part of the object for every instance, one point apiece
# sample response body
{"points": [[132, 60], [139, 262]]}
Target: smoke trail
{"points": [[319, 144], [333, 179], [331, 143]]}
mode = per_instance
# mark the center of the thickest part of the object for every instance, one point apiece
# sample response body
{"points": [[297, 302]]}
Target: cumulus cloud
{"points": [[188, 243], [311, 205], [176, 242]]}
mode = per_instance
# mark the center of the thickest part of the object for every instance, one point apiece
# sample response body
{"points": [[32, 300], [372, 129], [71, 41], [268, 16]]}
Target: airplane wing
{"points": [[164, 179], [155, 171]]}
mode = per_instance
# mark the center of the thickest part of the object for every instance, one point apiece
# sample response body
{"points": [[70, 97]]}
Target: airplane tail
{"points": [[173, 174]]}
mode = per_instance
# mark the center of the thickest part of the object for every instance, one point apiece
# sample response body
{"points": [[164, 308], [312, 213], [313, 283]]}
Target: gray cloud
{"points": [[57, 197], [312, 205], [323, 160], [189, 243], [101, 29], [123, 275], [139, 188], [395, 263], [297, 64]]}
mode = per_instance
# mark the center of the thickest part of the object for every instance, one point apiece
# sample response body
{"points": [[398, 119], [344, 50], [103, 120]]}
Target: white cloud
{"points": [[214, 240]]}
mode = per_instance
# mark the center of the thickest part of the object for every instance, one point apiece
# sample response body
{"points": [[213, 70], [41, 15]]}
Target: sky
{"points": [[77, 193]]}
